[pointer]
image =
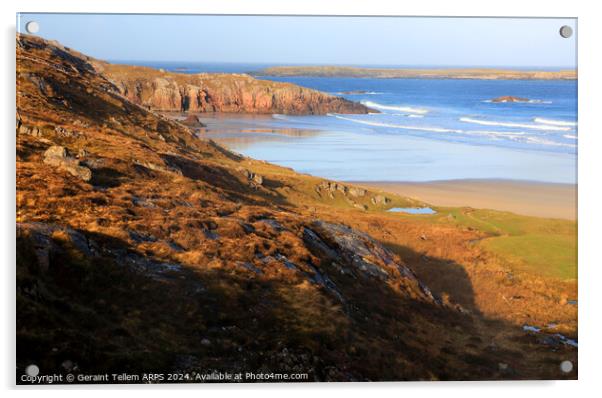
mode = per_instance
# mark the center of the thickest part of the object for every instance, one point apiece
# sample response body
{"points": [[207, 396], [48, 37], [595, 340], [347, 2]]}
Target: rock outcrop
{"points": [[193, 121], [359, 254], [231, 93], [509, 98], [59, 157]]}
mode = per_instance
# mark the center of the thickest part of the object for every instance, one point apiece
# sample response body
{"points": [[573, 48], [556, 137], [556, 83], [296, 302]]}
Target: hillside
{"points": [[394, 73], [144, 248]]}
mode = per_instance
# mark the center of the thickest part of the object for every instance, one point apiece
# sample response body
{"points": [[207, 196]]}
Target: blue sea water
{"points": [[461, 110], [426, 130]]}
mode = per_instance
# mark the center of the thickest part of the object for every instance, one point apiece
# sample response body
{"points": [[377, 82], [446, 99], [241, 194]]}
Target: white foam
{"points": [[399, 126], [534, 101], [543, 141], [507, 134], [358, 93], [280, 117], [515, 125], [570, 136], [407, 109], [517, 136], [553, 122]]}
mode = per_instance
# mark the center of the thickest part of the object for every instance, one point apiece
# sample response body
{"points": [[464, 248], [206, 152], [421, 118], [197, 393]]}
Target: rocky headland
{"points": [[393, 73], [165, 91]]}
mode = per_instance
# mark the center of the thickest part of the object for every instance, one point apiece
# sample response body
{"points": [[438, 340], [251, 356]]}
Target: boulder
{"points": [[58, 156], [193, 121], [380, 200], [249, 175], [358, 253], [356, 192]]}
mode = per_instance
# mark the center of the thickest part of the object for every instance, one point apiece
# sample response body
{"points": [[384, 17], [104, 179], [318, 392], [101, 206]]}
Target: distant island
{"points": [[510, 98], [386, 73]]}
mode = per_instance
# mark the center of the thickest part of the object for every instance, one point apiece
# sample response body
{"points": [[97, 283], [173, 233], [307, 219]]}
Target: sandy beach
{"points": [[527, 198]]}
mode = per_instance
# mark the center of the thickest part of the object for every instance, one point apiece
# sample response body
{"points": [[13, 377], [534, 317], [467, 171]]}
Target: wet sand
{"points": [[520, 197]]}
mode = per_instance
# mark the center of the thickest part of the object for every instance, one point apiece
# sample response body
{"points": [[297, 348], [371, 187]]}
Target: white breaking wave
{"points": [[408, 109], [404, 114], [570, 136], [399, 126], [543, 141], [553, 122], [280, 117], [517, 125], [507, 134], [535, 101], [517, 136]]}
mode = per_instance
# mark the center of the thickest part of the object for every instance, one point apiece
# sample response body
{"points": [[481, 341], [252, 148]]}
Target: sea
{"points": [[425, 129]]}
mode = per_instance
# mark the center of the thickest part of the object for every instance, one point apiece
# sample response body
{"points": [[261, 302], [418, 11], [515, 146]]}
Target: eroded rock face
{"points": [[358, 251], [380, 200], [223, 93], [59, 157]]}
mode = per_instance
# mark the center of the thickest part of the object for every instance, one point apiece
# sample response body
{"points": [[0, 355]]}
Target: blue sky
{"points": [[313, 40]]}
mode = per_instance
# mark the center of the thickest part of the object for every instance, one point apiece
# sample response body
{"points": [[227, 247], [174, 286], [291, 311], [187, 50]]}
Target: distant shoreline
{"points": [[539, 199], [414, 73]]}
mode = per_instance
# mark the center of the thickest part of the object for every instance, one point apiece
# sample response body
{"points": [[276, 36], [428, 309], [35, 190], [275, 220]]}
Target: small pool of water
{"points": [[412, 210]]}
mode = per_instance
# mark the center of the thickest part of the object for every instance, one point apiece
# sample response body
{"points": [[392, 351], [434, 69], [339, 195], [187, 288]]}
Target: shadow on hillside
{"points": [[444, 277], [223, 178], [121, 311]]}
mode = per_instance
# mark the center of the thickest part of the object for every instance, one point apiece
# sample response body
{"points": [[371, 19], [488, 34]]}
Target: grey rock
{"points": [[358, 252], [58, 156], [357, 192], [380, 200]]}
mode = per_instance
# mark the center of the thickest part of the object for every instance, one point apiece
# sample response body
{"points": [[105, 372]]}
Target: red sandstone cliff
{"points": [[165, 91]]}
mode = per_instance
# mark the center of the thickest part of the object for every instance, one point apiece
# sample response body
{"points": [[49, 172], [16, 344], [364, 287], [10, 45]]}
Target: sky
{"points": [[408, 41]]}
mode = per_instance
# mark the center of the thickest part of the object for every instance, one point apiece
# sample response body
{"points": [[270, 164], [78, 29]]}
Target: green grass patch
{"points": [[544, 246], [549, 255]]}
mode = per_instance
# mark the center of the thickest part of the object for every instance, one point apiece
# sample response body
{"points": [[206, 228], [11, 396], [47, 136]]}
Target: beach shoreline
{"points": [[528, 198]]}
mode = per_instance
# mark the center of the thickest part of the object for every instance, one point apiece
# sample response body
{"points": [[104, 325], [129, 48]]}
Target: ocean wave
{"points": [[398, 126], [533, 101], [516, 136], [506, 134], [515, 125], [279, 116], [359, 92], [570, 136], [405, 114], [543, 141], [554, 122], [407, 109]]}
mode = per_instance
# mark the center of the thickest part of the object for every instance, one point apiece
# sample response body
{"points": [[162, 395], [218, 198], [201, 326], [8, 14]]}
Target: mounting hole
{"points": [[566, 366], [32, 27], [32, 370], [566, 31]]}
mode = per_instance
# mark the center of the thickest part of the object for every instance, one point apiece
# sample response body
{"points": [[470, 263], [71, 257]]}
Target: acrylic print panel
{"points": [[289, 198]]}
